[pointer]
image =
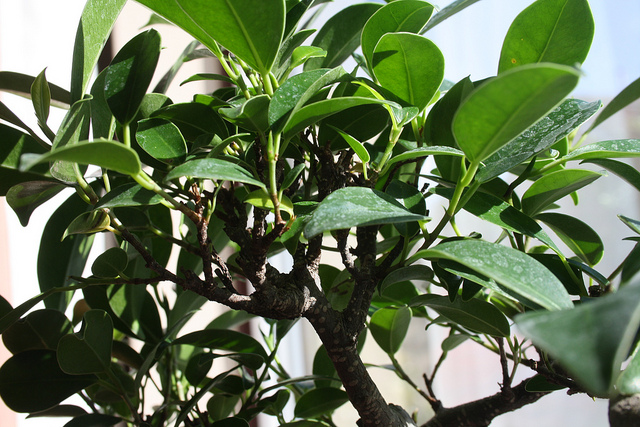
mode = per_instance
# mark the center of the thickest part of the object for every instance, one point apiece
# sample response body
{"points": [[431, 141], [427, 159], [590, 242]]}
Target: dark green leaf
{"points": [[558, 31], [193, 119], [110, 263], [130, 73], [412, 272], [162, 140], [389, 327], [222, 339], [488, 119], [129, 195], [577, 235], [516, 271], [20, 84], [94, 420], [186, 302], [88, 223], [41, 99], [539, 137], [250, 115], [409, 66], [631, 265], [107, 154], [26, 197], [629, 381], [96, 22], [215, 169], [74, 128], [32, 381], [231, 422], [623, 170], [39, 330], [354, 207], [340, 35], [628, 95], [319, 401], [554, 186], [592, 340], [89, 351], [408, 16], [475, 315], [103, 124]]}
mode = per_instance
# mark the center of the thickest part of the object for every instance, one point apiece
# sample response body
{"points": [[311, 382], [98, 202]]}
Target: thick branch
{"points": [[480, 413]]}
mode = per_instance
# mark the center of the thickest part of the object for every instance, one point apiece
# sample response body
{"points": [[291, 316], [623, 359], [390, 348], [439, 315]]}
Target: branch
{"points": [[480, 413]]}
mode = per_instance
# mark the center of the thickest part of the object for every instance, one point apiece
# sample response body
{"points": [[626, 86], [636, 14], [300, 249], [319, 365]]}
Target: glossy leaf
{"points": [[89, 351], [340, 35], [356, 146], [193, 119], [129, 195], [408, 16], [39, 330], [162, 140], [628, 95], [130, 73], [411, 272], [475, 315], [557, 31], [554, 186], [222, 339], [41, 99], [110, 263], [424, 152], [502, 214], [409, 66], [88, 223], [389, 327], [74, 128], [539, 137], [94, 28], [250, 115], [614, 149], [577, 235], [32, 381], [14, 145], [261, 199], [505, 106], [107, 154], [27, 197], [250, 29], [215, 169], [302, 54], [356, 207], [510, 268], [590, 341], [318, 401]]}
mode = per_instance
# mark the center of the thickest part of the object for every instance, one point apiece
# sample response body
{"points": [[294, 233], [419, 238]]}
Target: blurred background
{"points": [[38, 34]]}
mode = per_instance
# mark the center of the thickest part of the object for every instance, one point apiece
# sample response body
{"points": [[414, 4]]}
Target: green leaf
{"points": [[502, 214], [554, 186], [26, 197], [355, 145], [74, 128], [539, 137], [167, 79], [340, 35], [417, 153], [250, 115], [411, 272], [302, 54], [356, 207], [250, 29], [130, 73], [516, 271], [505, 106], [475, 315], [131, 194], [629, 381], [110, 263], [94, 28], [389, 326], [162, 140], [409, 66], [89, 351], [32, 381], [103, 124], [88, 223], [193, 119], [215, 169], [39, 330], [592, 340], [94, 420], [231, 422], [447, 12], [319, 401], [20, 84], [261, 199], [628, 95], [41, 99], [312, 113], [299, 89], [107, 154], [222, 339], [619, 148], [557, 31], [621, 169], [408, 16], [577, 235]]}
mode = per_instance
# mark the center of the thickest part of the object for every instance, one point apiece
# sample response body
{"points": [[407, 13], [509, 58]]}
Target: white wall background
{"points": [[35, 34]]}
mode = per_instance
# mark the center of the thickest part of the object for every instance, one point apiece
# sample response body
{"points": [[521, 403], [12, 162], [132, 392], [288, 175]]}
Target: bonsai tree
{"points": [[297, 155]]}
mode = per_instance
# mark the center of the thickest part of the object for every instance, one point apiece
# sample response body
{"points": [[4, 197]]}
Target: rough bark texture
{"points": [[624, 411]]}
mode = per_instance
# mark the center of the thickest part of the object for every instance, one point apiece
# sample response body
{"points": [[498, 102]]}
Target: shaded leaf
{"points": [[89, 351], [318, 401], [577, 235], [222, 339], [27, 197], [39, 330], [389, 327], [20, 84], [110, 263], [250, 115], [88, 223], [74, 128], [411, 272], [623, 170], [131, 194], [554, 186], [162, 140], [94, 420]]}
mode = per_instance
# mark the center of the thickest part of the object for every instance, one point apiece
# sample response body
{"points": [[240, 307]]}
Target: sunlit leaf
{"points": [[554, 186], [577, 235], [216, 169]]}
